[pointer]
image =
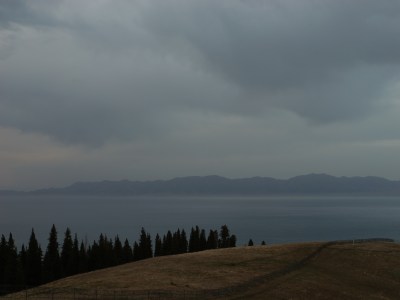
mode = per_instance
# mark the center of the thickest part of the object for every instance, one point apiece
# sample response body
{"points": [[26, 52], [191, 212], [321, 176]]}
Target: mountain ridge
{"points": [[309, 184]]}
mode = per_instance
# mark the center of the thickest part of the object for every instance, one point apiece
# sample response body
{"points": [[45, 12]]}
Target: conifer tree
{"points": [[11, 266], [194, 240], [109, 253], [149, 247], [52, 261], [250, 243], [22, 260], [101, 253], [93, 256], [105, 252], [33, 262], [212, 240], [75, 256], [232, 241], [145, 245], [118, 251], [67, 254], [83, 259], [136, 252], [224, 237], [3, 257], [202, 241], [183, 243], [175, 242], [263, 243], [157, 246], [127, 250], [167, 244]]}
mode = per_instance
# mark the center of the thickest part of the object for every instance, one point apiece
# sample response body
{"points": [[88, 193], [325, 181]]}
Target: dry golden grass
{"points": [[361, 271]]}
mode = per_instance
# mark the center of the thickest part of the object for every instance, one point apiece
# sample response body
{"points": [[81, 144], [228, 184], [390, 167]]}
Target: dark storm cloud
{"points": [[125, 70], [325, 60]]}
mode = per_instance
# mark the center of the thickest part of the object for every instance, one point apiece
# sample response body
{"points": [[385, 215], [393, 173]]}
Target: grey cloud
{"points": [[23, 12], [304, 50], [12, 11], [123, 70]]}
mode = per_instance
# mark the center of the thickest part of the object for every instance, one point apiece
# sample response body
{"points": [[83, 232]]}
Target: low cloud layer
{"points": [[97, 74]]}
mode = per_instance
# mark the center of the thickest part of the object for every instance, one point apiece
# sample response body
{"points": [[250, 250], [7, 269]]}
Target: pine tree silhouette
{"points": [[157, 246], [83, 259], [224, 237], [3, 257], [128, 254], [11, 266], [118, 251], [51, 261], [33, 262], [66, 254], [212, 240]]}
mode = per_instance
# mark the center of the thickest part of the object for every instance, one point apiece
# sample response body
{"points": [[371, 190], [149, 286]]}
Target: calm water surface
{"points": [[273, 219]]}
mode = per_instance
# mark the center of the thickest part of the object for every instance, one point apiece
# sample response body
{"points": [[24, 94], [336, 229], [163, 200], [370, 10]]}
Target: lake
{"points": [[272, 219]]}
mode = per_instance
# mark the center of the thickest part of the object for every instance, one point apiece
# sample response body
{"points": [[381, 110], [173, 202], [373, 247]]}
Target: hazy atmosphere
{"points": [[141, 90]]}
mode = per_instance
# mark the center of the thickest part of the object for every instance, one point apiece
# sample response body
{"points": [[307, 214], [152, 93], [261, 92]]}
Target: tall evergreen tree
{"points": [[202, 240], [232, 241], [145, 246], [52, 261], [105, 252], [94, 260], [136, 252], [3, 257], [118, 251], [212, 240], [224, 237], [108, 252], [128, 253], [83, 259], [183, 243], [194, 240], [75, 256], [23, 263], [175, 242], [33, 262], [149, 247], [11, 266], [167, 244], [67, 254], [157, 246]]}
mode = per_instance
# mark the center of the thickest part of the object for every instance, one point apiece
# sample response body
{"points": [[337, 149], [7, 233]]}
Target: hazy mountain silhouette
{"points": [[312, 184]]}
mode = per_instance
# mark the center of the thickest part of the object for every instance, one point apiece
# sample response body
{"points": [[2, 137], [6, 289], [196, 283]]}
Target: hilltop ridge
{"points": [[311, 184], [334, 270]]}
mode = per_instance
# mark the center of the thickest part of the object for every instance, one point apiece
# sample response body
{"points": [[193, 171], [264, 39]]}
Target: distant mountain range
{"points": [[312, 184]]}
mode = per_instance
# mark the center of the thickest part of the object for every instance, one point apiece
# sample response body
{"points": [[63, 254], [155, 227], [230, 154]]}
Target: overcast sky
{"points": [[141, 90]]}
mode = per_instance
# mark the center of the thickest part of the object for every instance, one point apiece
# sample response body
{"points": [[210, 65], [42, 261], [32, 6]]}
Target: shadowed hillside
{"points": [[296, 271]]}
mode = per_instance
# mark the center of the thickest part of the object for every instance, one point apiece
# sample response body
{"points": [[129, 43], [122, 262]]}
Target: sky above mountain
{"points": [[93, 90]]}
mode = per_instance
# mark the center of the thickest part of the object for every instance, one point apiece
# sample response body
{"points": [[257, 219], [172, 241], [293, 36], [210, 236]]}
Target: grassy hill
{"points": [[294, 271]]}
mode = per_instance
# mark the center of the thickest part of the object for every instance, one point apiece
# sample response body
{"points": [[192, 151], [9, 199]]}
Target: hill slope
{"points": [[295, 271]]}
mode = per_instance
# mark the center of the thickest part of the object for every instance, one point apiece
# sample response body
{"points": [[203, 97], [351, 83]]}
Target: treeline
{"points": [[31, 266]]}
